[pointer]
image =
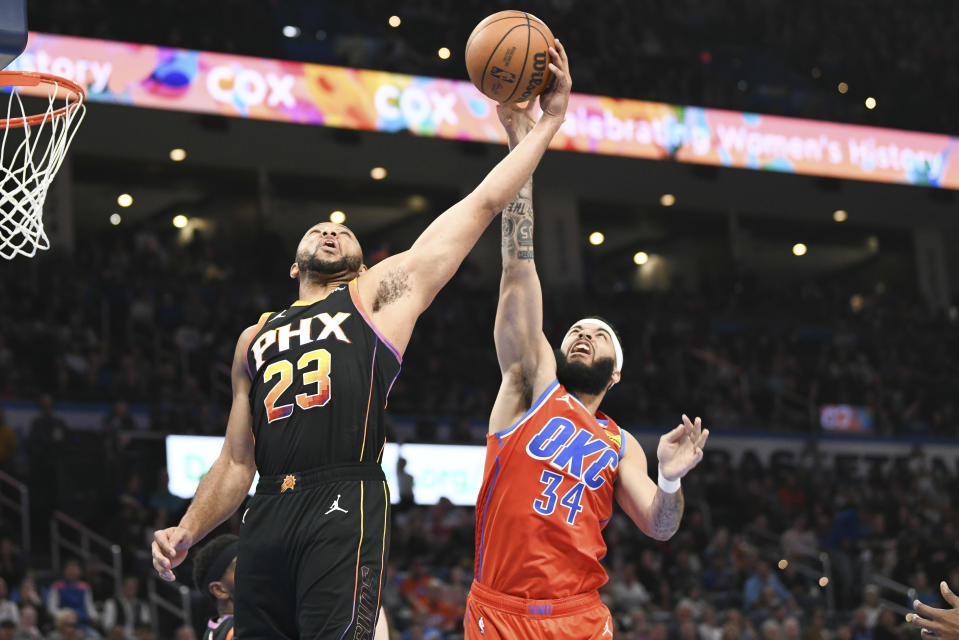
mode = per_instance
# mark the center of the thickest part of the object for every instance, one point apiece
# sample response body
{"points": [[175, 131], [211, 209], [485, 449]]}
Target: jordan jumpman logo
{"points": [[335, 506]]}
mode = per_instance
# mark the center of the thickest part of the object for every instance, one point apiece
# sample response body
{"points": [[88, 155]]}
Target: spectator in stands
{"points": [[8, 440], [8, 608], [12, 566], [70, 593], [65, 626], [185, 633], [405, 481], [27, 595], [29, 629], [126, 609], [760, 579], [870, 605], [45, 437], [8, 630]]}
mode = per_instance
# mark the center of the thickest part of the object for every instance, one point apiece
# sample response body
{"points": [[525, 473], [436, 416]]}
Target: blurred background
{"points": [[809, 319]]}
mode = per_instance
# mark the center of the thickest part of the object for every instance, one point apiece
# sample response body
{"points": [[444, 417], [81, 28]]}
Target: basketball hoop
{"points": [[31, 152]]}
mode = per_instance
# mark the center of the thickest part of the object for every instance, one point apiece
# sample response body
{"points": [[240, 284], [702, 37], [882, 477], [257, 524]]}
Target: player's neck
{"points": [[590, 401], [314, 289], [224, 608]]}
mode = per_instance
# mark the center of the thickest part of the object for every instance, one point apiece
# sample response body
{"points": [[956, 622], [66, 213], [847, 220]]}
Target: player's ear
{"points": [[219, 591], [362, 268], [294, 271], [613, 379]]}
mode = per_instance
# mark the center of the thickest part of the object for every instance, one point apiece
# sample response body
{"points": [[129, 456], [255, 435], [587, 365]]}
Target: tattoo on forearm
{"points": [[517, 226], [391, 288], [667, 513]]}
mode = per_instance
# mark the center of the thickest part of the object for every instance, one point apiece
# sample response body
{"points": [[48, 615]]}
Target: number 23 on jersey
{"points": [[314, 366]]}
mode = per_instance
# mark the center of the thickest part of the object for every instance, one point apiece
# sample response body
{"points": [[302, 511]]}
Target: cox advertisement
{"points": [[203, 82]]}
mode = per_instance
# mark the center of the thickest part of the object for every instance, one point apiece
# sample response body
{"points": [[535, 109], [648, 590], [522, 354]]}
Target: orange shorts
{"points": [[491, 615]]}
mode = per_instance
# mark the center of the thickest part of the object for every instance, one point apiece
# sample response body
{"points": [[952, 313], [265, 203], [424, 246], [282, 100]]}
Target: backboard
{"points": [[13, 30]]}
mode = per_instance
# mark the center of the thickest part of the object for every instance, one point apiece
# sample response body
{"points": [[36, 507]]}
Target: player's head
{"points": [[213, 569], [590, 358], [327, 249]]}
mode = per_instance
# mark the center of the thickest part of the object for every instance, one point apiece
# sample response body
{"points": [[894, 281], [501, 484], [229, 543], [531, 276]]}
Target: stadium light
{"points": [[667, 199], [180, 221], [596, 238], [291, 31], [178, 155], [394, 21], [443, 53], [124, 200], [799, 249], [337, 217], [840, 215], [843, 87], [870, 103], [378, 173], [115, 219], [641, 258]]}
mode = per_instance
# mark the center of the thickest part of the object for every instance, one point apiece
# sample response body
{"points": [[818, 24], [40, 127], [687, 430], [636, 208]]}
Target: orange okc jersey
{"points": [[547, 494]]}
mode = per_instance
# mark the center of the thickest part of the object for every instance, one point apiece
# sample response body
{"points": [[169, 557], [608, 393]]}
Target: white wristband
{"points": [[669, 486]]}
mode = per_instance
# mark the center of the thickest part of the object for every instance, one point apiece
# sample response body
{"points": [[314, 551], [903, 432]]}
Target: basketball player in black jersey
{"points": [[310, 384]]}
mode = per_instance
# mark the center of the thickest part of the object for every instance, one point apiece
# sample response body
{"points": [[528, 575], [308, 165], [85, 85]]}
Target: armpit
{"points": [[393, 286]]}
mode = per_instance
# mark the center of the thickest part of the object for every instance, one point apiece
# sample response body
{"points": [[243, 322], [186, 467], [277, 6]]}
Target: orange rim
{"points": [[32, 79]]}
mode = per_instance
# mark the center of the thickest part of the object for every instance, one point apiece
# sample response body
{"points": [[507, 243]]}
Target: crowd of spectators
{"points": [[769, 57], [747, 353], [747, 562]]}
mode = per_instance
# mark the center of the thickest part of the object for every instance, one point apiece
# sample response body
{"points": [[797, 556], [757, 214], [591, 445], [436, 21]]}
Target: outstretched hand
{"points": [[554, 100], [937, 623], [681, 449]]}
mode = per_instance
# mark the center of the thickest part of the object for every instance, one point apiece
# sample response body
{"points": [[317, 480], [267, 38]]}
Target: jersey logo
{"points": [[615, 439], [284, 336], [278, 316], [335, 506], [482, 625], [568, 400], [606, 630], [288, 483], [567, 448]]}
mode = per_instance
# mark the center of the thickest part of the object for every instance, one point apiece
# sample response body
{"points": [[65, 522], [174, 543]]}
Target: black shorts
{"points": [[312, 557]]}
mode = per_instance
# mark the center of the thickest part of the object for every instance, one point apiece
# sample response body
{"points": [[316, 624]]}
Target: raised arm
{"points": [[227, 482], [525, 358], [657, 508], [397, 290]]}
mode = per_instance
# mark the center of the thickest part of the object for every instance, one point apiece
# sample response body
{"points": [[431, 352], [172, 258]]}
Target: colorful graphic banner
{"points": [[282, 91]]}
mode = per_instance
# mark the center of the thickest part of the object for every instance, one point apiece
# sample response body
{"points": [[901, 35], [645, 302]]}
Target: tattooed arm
{"points": [[655, 511], [525, 358]]}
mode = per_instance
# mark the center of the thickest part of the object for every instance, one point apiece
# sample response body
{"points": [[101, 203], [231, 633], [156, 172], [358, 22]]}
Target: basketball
{"points": [[507, 56]]}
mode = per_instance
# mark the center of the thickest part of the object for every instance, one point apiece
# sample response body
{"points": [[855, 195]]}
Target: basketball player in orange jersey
{"points": [[554, 463], [310, 384]]}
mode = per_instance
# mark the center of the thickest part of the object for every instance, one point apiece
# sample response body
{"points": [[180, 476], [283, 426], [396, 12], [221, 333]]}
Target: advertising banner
{"points": [[283, 91]]}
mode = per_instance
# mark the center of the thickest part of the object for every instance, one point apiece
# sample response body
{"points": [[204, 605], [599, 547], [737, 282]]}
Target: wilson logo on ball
{"points": [[536, 79]]}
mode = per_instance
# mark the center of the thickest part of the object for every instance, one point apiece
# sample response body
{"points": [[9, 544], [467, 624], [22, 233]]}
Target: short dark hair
{"points": [[205, 558]]}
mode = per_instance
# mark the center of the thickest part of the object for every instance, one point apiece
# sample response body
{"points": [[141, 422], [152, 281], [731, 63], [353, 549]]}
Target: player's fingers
{"points": [[561, 51], [159, 558], [162, 540], [676, 434], [948, 595], [925, 623], [926, 611], [703, 437]]}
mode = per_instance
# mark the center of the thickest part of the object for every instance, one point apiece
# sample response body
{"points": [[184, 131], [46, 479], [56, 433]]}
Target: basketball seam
{"points": [[525, 60], [493, 53], [473, 35]]}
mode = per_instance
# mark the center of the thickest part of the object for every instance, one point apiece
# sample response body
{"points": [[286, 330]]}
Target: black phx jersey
{"points": [[321, 376], [315, 537]]}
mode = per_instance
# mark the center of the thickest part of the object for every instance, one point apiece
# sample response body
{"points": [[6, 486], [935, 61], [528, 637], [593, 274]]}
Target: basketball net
{"points": [[31, 152]]}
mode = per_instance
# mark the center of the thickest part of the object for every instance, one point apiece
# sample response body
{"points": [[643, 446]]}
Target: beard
{"points": [[584, 379], [307, 263]]}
